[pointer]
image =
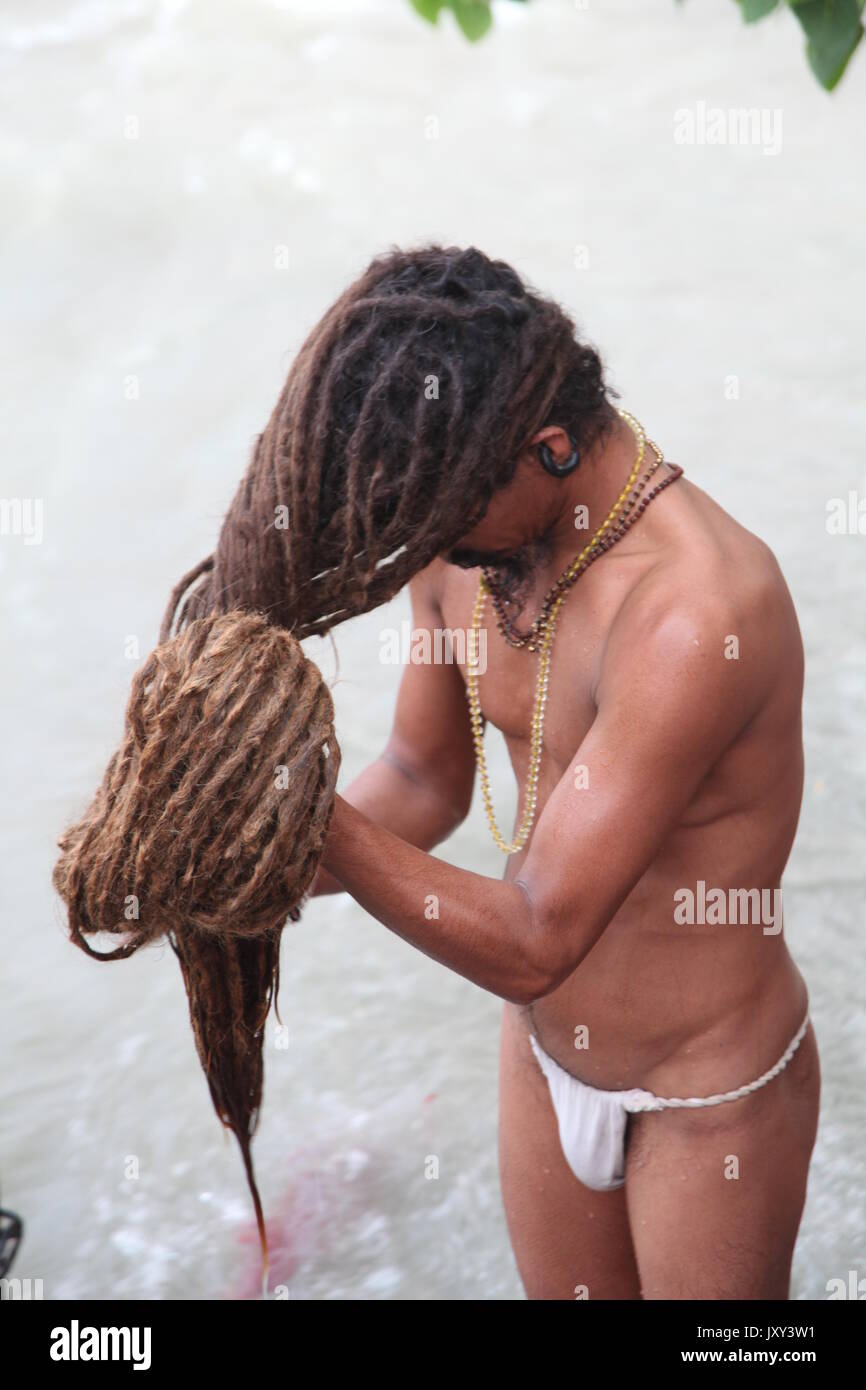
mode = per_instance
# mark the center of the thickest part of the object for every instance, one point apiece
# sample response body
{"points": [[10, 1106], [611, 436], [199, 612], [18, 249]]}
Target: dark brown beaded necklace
{"points": [[633, 508]]}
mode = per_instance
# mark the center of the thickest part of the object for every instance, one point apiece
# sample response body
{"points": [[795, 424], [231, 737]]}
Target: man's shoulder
{"points": [[709, 568], [718, 596], [710, 582]]}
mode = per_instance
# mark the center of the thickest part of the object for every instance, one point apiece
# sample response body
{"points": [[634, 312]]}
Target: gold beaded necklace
{"points": [[540, 639]]}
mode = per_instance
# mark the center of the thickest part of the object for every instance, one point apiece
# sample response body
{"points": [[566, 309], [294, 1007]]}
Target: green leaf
{"points": [[833, 30], [753, 10], [473, 16], [428, 9]]}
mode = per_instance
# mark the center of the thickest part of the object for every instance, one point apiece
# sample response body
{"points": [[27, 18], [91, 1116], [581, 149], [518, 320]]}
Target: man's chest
{"points": [[509, 677]]}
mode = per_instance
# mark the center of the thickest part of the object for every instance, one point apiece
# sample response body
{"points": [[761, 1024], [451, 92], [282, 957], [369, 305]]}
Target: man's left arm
{"points": [[667, 708]]}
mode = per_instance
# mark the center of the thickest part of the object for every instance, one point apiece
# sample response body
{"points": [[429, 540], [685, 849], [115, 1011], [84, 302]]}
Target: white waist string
{"points": [[692, 1102]]}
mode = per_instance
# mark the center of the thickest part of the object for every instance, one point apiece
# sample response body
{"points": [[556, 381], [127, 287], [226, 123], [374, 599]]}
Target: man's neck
{"points": [[591, 491]]}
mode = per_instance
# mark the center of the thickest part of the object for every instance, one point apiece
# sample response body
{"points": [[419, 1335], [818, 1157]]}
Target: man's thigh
{"points": [[565, 1237], [715, 1195]]}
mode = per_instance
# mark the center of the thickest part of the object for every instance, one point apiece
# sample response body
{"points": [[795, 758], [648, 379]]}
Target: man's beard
{"points": [[514, 578]]}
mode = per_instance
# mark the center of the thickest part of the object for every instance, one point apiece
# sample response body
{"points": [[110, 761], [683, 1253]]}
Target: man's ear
{"points": [[555, 450], [556, 439]]}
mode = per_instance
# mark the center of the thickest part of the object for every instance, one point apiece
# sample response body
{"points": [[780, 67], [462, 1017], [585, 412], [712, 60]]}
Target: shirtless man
{"points": [[671, 758]]}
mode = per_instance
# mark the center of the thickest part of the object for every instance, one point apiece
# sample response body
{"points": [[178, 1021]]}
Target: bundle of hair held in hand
{"points": [[209, 823]]}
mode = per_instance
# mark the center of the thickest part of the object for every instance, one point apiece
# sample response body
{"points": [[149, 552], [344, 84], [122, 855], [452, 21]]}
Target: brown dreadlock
{"points": [[404, 411], [208, 828]]}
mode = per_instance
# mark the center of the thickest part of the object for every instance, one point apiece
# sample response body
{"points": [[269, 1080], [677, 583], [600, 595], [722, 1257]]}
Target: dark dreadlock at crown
{"points": [[405, 409]]}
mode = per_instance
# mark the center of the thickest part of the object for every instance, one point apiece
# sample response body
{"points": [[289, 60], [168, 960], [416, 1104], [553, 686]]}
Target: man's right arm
{"points": [[420, 787]]}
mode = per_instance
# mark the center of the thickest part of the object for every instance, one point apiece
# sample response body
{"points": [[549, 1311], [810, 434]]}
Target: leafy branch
{"points": [[833, 28]]}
